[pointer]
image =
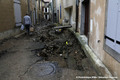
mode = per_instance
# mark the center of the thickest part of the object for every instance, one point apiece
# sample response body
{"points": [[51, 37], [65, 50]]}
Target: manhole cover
{"points": [[42, 69]]}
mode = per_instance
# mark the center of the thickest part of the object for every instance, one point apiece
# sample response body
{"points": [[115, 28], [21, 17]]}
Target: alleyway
{"points": [[47, 55], [68, 40]]}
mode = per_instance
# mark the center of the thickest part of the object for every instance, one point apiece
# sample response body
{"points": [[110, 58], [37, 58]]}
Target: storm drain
{"points": [[42, 69]]}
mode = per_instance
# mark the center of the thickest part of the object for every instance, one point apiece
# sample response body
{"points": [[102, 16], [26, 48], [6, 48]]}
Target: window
{"points": [[112, 35]]}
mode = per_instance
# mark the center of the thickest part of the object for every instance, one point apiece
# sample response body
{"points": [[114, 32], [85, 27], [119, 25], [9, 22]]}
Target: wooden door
{"points": [[86, 26]]}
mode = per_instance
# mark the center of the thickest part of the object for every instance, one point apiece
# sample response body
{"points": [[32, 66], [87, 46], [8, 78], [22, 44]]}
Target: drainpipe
{"points": [[40, 10], [36, 16], [77, 13], [53, 10], [29, 7], [29, 11]]}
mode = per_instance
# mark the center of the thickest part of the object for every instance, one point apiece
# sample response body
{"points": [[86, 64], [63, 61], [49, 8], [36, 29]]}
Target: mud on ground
{"points": [[20, 58], [62, 47]]}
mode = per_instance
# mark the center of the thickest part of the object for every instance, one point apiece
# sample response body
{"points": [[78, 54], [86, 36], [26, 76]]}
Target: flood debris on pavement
{"points": [[50, 54], [5, 46], [62, 47]]}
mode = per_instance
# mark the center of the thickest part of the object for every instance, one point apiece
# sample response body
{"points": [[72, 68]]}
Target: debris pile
{"points": [[59, 47], [52, 44]]}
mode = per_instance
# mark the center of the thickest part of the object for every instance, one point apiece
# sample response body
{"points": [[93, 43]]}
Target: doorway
{"points": [[85, 18], [68, 16]]}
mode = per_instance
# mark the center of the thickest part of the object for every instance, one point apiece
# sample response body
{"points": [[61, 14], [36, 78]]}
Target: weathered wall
{"points": [[42, 4], [32, 6], [7, 20], [79, 17], [96, 36], [37, 8], [40, 10], [57, 4], [24, 7], [70, 4], [54, 5]]}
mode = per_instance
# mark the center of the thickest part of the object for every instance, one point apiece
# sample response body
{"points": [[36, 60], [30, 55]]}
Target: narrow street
{"points": [[59, 39], [46, 55]]}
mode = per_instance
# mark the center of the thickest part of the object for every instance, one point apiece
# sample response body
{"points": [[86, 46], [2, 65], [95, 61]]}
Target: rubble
{"points": [[62, 46], [48, 46]]}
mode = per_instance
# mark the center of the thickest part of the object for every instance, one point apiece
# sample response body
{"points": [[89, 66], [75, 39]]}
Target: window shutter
{"points": [[17, 12], [117, 47], [111, 23]]}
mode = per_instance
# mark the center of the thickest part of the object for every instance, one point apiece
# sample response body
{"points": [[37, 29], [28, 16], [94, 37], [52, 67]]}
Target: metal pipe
{"points": [[29, 7]]}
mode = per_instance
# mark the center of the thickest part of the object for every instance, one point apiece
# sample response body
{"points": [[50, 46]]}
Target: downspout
{"points": [[53, 10], [39, 12], [29, 11], [36, 11], [29, 7], [77, 13]]}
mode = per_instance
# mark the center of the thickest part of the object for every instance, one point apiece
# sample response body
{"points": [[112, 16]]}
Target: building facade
{"points": [[66, 12], [99, 23], [7, 20], [104, 20], [98, 20], [12, 13], [46, 11], [70, 11]]}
